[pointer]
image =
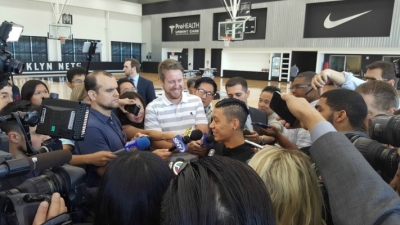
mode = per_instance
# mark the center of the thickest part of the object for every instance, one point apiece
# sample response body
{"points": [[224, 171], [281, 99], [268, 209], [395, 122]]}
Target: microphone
{"points": [[246, 132], [180, 142], [254, 144], [208, 140], [211, 152], [139, 144], [17, 167]]}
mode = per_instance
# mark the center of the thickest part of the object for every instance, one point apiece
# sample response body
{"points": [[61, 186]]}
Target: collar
{"points": [[100, 115], [168, 103], [238, 149], [207, 108]]}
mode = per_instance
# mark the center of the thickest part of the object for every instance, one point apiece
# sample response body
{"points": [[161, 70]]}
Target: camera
{"points": [[385, 129], [134, 109], [19, 205]]}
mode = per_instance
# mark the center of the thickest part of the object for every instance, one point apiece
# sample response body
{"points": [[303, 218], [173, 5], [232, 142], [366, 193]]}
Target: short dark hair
{"points": [[206, 80], [22, 106], [308, 75], [75, 71], [387, 68], [217, 190], [28, 89], [134, 63], [234, 109], [271, 89], [349, 101], [190, 82], [122, 116], [385, 95], [121, 81], [132, 197], [235, 81], [91, 80], [168, 64]]}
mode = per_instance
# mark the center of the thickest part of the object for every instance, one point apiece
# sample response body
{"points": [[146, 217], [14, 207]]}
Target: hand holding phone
{"points": [[280, 107], [263, 125]]}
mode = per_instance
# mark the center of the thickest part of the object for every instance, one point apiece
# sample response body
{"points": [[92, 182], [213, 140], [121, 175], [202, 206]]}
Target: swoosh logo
{"points": [[328, 23]]}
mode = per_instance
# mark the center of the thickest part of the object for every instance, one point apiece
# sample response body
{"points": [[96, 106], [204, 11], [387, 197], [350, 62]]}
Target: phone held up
{"points": [[279, 106]]}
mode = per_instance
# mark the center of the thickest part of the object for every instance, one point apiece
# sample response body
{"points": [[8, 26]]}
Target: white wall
{"points": [[95, 22], [164, 52], [207, 58], [146, 36]]}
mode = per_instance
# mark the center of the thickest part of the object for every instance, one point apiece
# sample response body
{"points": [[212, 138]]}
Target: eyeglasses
{"points": [[300, 86], [373, 78], [77, 81], [202, 92]]}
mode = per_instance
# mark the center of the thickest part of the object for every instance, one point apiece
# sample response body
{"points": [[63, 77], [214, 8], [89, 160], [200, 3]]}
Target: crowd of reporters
{"points": [[316, 176]]}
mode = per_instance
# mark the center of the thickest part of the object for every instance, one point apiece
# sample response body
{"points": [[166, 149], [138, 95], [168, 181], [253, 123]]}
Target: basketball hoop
{"points": [[226, 39], [62, 39]]}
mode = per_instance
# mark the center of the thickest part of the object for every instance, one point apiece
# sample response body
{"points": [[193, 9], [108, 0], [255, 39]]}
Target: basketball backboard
{"points": [[60, 30], [234, 29], [237, 9]]}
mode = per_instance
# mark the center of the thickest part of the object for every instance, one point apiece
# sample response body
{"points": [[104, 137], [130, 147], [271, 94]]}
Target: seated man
{"points": [[229, 118], [380, 97], [378, 70], [344, 109], [75, 76]]}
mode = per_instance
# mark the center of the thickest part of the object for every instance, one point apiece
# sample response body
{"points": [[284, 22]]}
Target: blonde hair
{"points": [[78, 93], [292, 184]]}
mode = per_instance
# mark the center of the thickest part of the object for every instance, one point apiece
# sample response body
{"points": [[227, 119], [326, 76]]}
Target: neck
{"points": [[344, 127], [175, 101], [235, 140], [106, 112], [133, 75], [18, 153]]}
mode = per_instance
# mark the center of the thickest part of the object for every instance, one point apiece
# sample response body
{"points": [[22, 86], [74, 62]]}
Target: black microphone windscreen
{"points": [[209, 139], [47, 160], [196, 135], [186, 139]]}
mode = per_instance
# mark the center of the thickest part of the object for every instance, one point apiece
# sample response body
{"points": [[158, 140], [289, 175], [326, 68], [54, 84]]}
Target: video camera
{"points": [[58, 119], [9, 32], [382, 129]]}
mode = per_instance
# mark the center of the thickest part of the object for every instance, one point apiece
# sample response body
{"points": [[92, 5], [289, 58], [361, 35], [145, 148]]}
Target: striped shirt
{"points": [[162, 115]]}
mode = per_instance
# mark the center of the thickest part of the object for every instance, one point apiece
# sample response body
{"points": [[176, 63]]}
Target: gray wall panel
{"points": [[285, 24]]}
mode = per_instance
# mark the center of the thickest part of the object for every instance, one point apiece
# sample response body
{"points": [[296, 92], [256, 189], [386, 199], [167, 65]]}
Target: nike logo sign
{"points": [[328, 23]]}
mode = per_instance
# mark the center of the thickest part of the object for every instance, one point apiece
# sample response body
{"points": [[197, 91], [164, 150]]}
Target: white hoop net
{"points": [[62, 39], [227, 41]]}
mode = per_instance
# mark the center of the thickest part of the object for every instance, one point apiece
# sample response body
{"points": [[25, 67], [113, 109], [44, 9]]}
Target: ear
{"points": [[235, 124], [391, 111], [92, 95], [69, 84], [340, 116], [14, 137], [392, 82], [248, 92]]}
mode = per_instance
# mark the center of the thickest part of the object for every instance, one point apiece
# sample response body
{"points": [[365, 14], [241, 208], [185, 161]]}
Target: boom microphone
{"points": [[139, 144], [18, 167]]}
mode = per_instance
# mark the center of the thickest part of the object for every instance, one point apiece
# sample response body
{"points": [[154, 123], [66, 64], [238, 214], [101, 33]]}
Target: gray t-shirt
{"points": [[293, 71]]}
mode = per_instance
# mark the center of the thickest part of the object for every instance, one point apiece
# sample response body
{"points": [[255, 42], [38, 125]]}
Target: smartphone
{"points": [[263, 125], [279, 106]]}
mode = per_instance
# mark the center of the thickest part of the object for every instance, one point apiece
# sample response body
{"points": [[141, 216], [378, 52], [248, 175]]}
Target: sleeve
{"points": [[94, 141], [351, 82], [151, 122], [151, 93], [357, 194], [200, 114], [303, 138]]}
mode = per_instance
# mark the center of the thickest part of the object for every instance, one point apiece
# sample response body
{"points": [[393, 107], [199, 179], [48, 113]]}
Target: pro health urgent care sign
{"points": [[184, 28]]}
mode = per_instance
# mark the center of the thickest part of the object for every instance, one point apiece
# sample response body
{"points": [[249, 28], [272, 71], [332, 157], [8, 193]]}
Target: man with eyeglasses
{"points": [[206, 88], [378, 70], [75, 76], [301, 88]]}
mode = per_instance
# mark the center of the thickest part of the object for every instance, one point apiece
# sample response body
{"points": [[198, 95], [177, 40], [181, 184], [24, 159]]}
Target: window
{"points": [[29, 49], [122, 50], [71, 51]]}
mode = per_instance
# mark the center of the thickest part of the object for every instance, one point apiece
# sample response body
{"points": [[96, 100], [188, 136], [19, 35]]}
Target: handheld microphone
{"points": [[17, 167], [211, 152], [180, 142], [254, 144], [139, 144], [208, 140]]}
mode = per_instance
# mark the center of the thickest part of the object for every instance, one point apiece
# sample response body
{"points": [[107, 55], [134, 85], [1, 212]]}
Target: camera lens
{"points": [[14, 66], [385, 129]]}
